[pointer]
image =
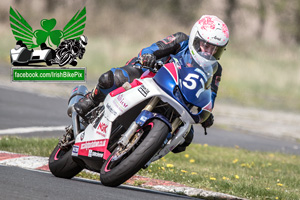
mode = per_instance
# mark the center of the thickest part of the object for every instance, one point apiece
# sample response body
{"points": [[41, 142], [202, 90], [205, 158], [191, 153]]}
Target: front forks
{"points": [[134, 126]]}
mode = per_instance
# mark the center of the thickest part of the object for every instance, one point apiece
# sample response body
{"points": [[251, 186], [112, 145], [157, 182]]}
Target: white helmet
{"points": [[210, 30], [83, 40]]}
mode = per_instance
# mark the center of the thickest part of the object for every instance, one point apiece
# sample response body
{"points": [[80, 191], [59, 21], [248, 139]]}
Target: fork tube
{"points": [[152, 103], [175, 124], [75, 122], [134, 126]]}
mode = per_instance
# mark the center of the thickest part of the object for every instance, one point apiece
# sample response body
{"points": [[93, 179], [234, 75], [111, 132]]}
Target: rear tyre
{"points": [[62, 165], [114, 173]]}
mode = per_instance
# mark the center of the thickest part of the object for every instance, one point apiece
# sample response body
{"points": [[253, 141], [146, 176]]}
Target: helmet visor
{"points": [[201, 45]]}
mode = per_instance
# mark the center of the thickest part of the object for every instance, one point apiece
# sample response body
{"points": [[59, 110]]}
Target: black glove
{"points": [[148, 60], [209, 122]]}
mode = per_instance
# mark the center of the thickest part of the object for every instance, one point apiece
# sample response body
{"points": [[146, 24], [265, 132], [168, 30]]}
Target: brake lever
{"points": [[153, 69]]}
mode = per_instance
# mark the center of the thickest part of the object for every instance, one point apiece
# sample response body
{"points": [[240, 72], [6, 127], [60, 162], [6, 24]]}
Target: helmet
{"points": [[83, 40], [210, 31]]}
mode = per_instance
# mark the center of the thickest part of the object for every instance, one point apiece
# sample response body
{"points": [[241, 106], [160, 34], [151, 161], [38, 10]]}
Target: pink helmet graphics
{"points": [[210, 31]]}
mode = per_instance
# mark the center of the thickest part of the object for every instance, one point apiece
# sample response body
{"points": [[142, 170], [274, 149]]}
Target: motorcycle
{"points": [[20, 56], [137, 123]]}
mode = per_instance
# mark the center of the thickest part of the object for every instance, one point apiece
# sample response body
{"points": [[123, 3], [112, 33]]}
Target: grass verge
{"points": [[235, 171]]}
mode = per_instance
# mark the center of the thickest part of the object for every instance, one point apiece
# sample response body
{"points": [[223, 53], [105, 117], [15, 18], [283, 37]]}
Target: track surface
{"points": [[24, 184]]}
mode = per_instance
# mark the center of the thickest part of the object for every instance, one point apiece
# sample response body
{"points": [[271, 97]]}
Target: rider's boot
{"points": [[89, 101]]}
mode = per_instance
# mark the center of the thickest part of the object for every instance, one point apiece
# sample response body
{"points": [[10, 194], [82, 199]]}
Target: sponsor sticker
{"points": [[101, 129], [143, 90], [75, 150], [90, 153], [97, 154], [108, 106], [93, 144], [121, 100], [82, 136]]}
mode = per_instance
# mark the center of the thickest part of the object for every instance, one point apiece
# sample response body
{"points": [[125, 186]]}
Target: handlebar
{"points": [[154, 69]]}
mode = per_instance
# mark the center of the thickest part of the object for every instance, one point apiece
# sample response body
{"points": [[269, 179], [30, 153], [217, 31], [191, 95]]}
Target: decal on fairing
{"points": [[92, 144], [97, 154], [75, 150], [143, 90], [119, 103], [85, 148], [90, 153], [108, 106], [82, 136], [101, 129]]}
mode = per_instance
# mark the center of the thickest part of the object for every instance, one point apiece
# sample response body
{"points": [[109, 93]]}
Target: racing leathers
{"points": [[173, 46]]}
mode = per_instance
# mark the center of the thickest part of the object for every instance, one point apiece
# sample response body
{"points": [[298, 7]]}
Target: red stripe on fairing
{"points": [[173, 71], [120, 90], [148, 74], [101, 147], [208, 107]]}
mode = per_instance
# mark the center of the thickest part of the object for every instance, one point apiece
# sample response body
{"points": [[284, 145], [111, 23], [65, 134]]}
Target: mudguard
{"points": [[145, 115]]}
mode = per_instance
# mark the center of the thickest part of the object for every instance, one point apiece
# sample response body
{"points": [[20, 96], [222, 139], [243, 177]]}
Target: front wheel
{"points": [[116, 170], [62, 165]]}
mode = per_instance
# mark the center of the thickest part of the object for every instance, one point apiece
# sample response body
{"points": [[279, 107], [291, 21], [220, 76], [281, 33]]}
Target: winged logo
{"points": [[23, 31]]}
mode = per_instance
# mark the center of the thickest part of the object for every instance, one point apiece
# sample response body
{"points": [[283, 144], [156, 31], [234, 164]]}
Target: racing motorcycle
{"points": [[137, 123]]}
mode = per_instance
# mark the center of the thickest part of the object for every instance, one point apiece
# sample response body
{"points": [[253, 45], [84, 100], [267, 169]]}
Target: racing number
{"points": [[190, 83]]}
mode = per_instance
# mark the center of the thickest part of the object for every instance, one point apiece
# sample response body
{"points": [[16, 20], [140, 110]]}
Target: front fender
{"points": [[145, 115]]}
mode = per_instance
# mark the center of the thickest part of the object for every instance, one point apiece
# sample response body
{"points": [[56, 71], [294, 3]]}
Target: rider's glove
{"points": [[209, 122], [148, 60]]}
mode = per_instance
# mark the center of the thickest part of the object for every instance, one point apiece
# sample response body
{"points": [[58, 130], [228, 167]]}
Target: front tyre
{"points": [[116, 172], [62, 165]]}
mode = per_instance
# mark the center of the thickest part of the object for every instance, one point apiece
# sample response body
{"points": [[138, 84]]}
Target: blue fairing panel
{"points": [[165, 80]]}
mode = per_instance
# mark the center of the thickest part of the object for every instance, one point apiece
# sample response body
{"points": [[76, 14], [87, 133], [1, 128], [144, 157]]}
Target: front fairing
{"points": [[190, 86]]}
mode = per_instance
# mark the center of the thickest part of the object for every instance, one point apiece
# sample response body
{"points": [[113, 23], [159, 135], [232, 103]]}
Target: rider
{"points": [[209, 34], [70, 49]]}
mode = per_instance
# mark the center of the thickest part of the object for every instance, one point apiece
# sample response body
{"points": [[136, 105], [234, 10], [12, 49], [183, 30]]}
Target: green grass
{"points": [[31, 146], [248, 174], [253, 175]]}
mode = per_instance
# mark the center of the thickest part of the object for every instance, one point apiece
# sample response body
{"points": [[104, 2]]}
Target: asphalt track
{"points": [[17, 183]]}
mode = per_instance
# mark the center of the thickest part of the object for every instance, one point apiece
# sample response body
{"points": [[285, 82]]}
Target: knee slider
{"points": [[106, 80]]}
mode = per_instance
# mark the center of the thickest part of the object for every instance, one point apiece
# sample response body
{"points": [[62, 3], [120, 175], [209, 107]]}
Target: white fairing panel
{"points": [[119, 104]]}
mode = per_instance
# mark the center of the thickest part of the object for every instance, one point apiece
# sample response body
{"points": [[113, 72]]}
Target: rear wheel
{"points": [[61, 163], [123, 163]]}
